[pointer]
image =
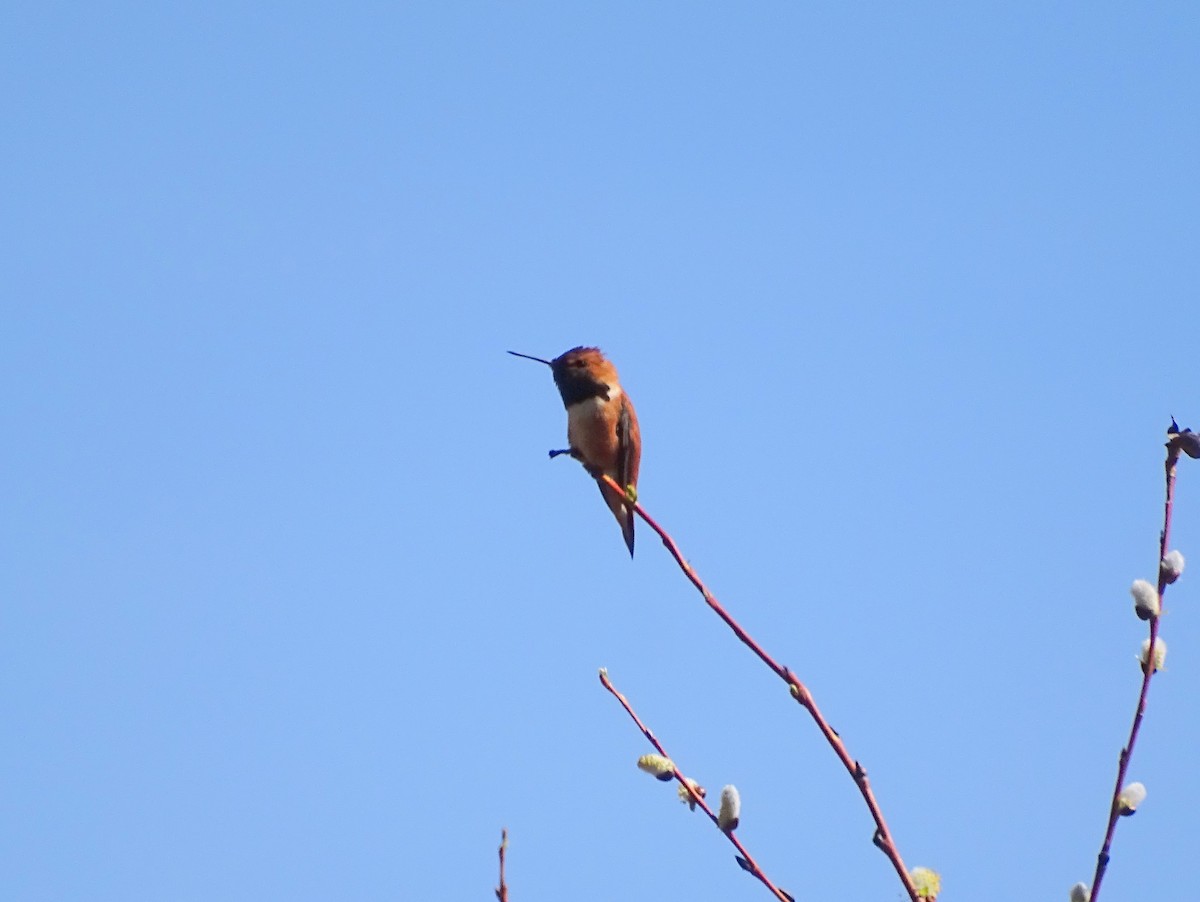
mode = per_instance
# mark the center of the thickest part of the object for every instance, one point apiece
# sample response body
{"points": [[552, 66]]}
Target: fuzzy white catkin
{"points": [[1081, 893], [1160, 653], [1146, 603], [1131, 796], [731, 808], [1172, 566]]}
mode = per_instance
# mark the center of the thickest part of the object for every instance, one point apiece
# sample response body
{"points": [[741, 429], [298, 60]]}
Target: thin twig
{"points": [[750, 864], [883, 837], [502, 889], [1114, 811]]}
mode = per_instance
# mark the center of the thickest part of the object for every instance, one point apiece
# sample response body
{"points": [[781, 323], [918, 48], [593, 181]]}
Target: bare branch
{"points": [[502, 889]]}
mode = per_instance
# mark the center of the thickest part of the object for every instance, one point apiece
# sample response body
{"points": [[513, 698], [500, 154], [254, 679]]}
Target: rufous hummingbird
{"points": [[602, 428]]}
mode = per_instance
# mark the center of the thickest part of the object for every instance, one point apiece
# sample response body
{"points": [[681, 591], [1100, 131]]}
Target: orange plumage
{"points": [[602, 426]]}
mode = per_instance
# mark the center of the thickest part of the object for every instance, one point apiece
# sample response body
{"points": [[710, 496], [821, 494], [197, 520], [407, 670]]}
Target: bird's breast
{"points": [[592, 428]]}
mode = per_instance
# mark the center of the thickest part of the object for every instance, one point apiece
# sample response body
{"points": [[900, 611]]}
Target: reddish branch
{"points": [[1148, 669], [883, 837], [502, 889], [747, 863]]}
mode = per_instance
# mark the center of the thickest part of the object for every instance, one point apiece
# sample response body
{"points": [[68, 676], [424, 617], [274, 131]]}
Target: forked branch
{"points": [[882, 837]]}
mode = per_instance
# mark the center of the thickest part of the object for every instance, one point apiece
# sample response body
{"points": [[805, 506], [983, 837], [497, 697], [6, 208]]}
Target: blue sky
{"points": [[294, 606]]}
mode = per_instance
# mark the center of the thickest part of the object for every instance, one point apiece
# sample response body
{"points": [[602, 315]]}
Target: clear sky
{"points": [[294, 605]]}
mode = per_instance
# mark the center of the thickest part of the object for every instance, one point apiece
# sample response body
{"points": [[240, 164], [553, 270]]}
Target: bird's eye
{"points": [[577, 363]]}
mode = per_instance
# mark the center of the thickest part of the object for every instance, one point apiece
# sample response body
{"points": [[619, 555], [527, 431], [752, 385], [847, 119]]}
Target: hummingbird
{"points": [[602, 428]]}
